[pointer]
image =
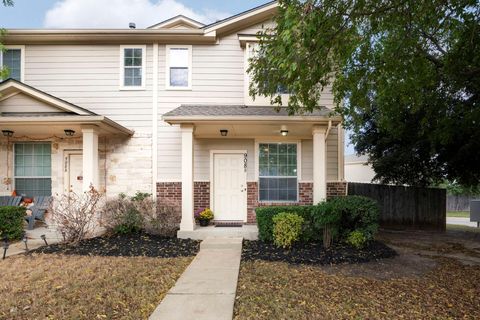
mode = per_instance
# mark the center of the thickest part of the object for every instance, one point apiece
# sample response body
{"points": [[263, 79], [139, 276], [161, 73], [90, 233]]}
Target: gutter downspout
{"points": [[328, 129]]}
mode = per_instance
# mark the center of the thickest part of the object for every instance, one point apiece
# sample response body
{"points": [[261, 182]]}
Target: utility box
{"points": [[475, 211]]}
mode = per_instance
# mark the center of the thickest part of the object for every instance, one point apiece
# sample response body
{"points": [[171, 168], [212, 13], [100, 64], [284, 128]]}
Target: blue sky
{"points": [[32, 13]]}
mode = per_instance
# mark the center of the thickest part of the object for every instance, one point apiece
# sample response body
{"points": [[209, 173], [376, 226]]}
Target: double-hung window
{"points": [[12, 60], [278, 172], [32, 169], [179, 67], [133, 67]]}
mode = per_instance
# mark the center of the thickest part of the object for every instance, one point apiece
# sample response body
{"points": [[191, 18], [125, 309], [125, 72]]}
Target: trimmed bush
{"points": [[11, 222], [265, 221], [356, 213], [287, 229], [357, 239]]}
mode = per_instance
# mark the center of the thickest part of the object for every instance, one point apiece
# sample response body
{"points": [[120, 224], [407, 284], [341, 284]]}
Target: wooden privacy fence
{"points": [[459, 202], [406, 207]]}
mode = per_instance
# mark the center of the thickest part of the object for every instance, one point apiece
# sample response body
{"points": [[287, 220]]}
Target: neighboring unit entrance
{"points": [[74, 173], [229, 187]]}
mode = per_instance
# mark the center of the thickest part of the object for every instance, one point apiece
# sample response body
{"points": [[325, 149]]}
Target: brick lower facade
{"points": [[336, 189], [171, 192], [201, 195]]}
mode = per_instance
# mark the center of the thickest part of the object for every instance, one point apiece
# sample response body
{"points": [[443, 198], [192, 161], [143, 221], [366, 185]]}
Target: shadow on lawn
{"points": [[129, 245]]}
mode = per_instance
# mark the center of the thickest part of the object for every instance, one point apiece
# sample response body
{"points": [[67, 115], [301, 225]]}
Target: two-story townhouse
{"points": [[164, 110]]}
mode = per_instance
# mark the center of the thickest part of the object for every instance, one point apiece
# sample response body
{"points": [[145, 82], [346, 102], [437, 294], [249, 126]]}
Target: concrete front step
{"points": [[247, 232]]}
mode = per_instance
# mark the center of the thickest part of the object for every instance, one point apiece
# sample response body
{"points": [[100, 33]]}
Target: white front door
{"points": [[74, 181], [229, 187]]}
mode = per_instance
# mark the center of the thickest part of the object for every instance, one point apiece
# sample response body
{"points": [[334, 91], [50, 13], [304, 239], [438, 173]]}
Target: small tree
{"points": [[76, 216]]}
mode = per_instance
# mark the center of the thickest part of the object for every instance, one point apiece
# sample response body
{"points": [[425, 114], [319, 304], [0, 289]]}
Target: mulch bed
{"points": [[314, 253], [129, 245]]}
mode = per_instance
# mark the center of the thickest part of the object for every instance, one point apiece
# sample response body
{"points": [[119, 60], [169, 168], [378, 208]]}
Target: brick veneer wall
{"points": [[305, 195], [336, 189], [201, 195], [170, 193]]}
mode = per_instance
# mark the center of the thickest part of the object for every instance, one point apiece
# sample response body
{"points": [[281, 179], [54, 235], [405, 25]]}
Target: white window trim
{"points": [[167, 67], [257, 166], [22, 59], [122, 67], [14, 176]]}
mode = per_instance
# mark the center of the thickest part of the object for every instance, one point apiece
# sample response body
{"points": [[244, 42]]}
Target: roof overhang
{"points": [[251, 119], [107, 36], [104, 124]]}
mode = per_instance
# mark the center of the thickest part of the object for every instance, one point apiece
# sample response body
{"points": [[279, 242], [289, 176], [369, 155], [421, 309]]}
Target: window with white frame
{"points": [[11, 59], [179, 67], [33, 169], [278, 172], [133, 67]]}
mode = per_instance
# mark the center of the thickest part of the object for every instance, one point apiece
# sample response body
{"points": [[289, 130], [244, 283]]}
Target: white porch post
{"points": [[319, 164], [187, 222], [90, 158]]}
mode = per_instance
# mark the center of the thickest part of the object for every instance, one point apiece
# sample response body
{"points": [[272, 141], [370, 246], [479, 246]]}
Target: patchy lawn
{"points": [[458, 214], [68, 285], [417, 284]]}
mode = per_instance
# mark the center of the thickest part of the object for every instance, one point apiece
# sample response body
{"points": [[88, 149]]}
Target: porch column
{"points": [[90, 158], [319, 164], [187, 222]]}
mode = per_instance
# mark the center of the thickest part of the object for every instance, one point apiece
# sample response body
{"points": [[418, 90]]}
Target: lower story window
{"points": [[32, 169], [278, 172]]}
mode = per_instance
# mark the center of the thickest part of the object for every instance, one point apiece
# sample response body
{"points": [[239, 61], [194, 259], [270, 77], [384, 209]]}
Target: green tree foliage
{"points": [[3, 71], [405, 76]]}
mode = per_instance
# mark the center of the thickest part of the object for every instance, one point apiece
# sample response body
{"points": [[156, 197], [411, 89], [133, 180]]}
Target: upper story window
{"points": [[179, 67], [133, 67], [12, 59]]}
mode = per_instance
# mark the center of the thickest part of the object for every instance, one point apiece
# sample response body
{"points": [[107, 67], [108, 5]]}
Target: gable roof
{"points": [[176, 21], [12, 87], [163, 32]]}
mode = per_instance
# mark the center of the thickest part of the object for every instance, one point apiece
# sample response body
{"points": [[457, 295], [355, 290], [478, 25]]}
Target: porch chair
{"points": [[40, 206], [10, 201]]}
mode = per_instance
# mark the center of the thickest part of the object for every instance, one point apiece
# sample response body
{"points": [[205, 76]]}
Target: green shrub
{"points": [[11, 222], [327, 220], [357, 214], [129, 222], [265, 221], [357, 239], [287, 229]]}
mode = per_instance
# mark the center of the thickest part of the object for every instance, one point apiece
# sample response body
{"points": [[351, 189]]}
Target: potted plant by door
{"points": [[203, 216]]}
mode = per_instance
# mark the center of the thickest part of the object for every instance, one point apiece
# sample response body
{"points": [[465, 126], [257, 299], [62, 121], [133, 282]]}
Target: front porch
{"points": [[50, 146], [247, 232], [237, 158]]}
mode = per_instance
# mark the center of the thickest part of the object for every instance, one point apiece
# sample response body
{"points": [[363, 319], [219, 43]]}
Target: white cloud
{"points": [[118, 13]]}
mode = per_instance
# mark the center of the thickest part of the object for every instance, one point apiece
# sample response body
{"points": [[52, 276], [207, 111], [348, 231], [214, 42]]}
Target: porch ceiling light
{"points": [[223, 132], [284, 132], [69, 132], [8, 133]]}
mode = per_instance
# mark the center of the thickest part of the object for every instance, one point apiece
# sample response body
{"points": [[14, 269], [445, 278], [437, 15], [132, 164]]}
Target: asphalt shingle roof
{"points": [[238, 110]]}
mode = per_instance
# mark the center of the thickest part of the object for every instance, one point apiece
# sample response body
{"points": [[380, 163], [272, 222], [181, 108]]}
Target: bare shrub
{"points": [[165, 221], [127, 214], [76, 216]]}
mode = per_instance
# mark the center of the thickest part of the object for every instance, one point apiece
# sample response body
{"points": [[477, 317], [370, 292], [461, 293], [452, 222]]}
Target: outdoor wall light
{"points": [[284, 132], [44, 239], [223, 132], [69, 132], [7, 133]]}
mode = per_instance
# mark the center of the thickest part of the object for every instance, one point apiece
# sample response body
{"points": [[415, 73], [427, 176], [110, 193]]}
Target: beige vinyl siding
{"points": [[217, 78], [89, 76], [202, 149], [332, 157], [24, 103]]}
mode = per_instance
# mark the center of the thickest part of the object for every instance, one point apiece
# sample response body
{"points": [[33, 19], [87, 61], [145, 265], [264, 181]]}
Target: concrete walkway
{"points": [[461, 222], [34, 240], [206, 290]]}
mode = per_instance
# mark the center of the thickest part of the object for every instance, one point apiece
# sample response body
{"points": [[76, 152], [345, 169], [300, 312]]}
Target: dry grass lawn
{"points": [[414, 285], [55, 286]]}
